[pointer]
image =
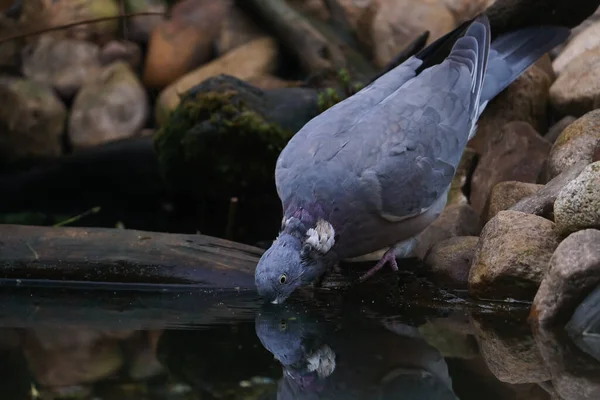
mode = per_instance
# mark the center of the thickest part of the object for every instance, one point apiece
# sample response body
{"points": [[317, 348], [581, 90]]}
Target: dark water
{"points": [[119, 343]]}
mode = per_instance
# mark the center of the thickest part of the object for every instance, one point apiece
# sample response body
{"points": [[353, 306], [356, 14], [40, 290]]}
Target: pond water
{"points": [[113, 342]]}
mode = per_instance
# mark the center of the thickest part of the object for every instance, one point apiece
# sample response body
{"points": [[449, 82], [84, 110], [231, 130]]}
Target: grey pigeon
{"points": [[375, 169]]}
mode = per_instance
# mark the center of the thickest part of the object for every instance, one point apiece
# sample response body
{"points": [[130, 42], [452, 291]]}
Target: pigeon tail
{"points": [[473, 50], [514, 52]]}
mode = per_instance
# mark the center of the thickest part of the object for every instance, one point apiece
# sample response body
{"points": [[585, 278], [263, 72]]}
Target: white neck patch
{"points": [[321, 237]]}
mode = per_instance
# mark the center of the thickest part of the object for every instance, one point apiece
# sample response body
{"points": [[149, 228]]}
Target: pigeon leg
{"points": [[388, 257]]}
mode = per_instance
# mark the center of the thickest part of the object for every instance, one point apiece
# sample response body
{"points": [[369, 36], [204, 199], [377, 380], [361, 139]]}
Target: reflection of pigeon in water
{"points": [[297, 343], [374, 170], [354, 358]]}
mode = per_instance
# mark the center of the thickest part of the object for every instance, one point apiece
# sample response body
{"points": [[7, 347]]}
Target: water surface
{"points": [[123, 342]]}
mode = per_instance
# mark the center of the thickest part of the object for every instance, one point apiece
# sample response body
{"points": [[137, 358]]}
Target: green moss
{"points": [[330, 96], [215, 143]]}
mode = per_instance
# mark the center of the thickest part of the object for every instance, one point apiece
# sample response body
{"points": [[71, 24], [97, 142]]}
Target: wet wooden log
{"points": [[124, 256], [319, 47]]}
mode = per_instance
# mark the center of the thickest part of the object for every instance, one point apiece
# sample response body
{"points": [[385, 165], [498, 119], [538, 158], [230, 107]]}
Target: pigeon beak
{"points": [[278, 300]]}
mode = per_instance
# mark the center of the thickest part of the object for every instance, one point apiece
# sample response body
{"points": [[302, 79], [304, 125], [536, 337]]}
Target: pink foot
{"points": [[388, 257]]}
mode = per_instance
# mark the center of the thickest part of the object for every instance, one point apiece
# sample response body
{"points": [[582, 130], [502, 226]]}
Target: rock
{"points": [[140, 29], [467, 9], [576, 143], [577, 206], [583, 41], [448, 341], [575, 374], [545, 64], [10, 50], [313, 8], [83, 356], [237, 29], [506, 194], [542, 202], [512, 256], [116, 50], [111, 107], [455, 220], [555, 131], [456, 195], [183, 42], [37, 14], [450, 260], [516, 153], [574, 272], [254, 59], [268, 82], [576, 91], [64, 64], [32, 120], [378, 27], [509, 349], [524, 100]]}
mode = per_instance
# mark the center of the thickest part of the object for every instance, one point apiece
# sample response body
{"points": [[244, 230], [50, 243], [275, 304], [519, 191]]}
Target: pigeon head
{"points": [[296, 258]]}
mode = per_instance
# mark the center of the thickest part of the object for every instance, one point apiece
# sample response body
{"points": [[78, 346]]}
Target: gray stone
{"points": [[576, 143], [576, 91], [525, 99], [111, 107], [450, 260], [64, 64], [574, 272], [509, 349], [512, 256], [558, 128], [506, 194], [542, 202], [516, 153], [455, 220], [577, 206]]}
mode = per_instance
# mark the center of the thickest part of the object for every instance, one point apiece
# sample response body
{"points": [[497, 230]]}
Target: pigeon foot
{"points": [[388, 257]]}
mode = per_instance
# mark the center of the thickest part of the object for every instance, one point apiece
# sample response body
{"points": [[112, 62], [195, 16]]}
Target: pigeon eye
{"points": [[283, 279], [282, 325]]}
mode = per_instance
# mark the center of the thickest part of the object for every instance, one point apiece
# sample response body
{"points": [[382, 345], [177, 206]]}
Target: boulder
{"points": [[509, 349], [64, 64], [577, 206], [576, 91], [450, 260], [111, 107], [516, 153], [388, 26], [184, 42], [577, 142], [555, 130], [524, 100], [542, 202], [506, 194], [455, 220], [32, 120], [140, 29], [512, 256], [574, 272], [583, 41]]}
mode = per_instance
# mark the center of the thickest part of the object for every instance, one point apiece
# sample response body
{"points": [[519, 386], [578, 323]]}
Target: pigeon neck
{"points": [[307, 215]]}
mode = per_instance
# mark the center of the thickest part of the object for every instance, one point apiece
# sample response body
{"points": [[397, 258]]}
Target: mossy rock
{"points": [[224, 138]]}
